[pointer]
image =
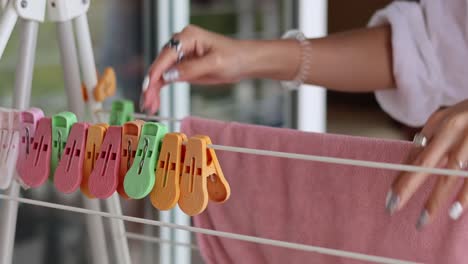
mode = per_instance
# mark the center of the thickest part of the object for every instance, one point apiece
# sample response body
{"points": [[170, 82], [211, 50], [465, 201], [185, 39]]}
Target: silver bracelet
{"points": [[304, 67]]}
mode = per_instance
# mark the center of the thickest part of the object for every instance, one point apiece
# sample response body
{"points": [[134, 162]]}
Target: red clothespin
{"points": [[29, 119], [10, 146], [69, 172], [37, 164], [130, 138], [103, 180]]}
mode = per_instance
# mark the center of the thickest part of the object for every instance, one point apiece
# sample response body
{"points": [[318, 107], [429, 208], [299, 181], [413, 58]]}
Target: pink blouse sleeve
{"points": [[424, 36]]}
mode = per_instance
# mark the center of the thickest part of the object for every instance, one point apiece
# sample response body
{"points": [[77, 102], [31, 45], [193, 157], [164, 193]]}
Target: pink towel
{"points": [[326, 205]]}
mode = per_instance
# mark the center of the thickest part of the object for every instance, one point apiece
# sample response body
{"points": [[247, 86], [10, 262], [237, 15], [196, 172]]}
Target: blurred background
{"points": [[124, 34]]}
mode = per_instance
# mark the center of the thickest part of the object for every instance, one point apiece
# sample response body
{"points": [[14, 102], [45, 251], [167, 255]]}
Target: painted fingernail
{"points": [[423, 219], [171, 75], [145, 84], [456, 210], [391, 202]]}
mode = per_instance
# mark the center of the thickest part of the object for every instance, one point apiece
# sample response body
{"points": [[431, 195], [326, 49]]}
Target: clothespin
{"points": [[29, 119], [201, 163], [94, 141], [4, 123], [121, 112], [69, 172], [139, 180], [4, 127], [61, 124], [166, 191], [104, 179], [10, 146], [105, 87], [37, 164], [130, 137]]}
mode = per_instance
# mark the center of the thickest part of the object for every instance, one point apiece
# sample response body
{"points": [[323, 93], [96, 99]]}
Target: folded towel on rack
{"points": [[319, 204]]}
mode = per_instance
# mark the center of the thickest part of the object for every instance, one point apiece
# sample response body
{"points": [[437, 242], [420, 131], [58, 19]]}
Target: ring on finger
{"points": [[420, 140], [176, 45]]}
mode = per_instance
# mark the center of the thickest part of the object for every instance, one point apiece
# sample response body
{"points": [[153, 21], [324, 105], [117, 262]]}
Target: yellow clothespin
{"points": [[201, 163], [166, 191], [94, 140]]}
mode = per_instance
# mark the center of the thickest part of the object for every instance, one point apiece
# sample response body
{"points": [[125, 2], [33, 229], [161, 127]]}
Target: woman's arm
{"points": [[354, 61]]}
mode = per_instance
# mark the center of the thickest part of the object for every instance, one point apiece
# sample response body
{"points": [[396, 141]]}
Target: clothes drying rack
{"points": [[247, 238]]}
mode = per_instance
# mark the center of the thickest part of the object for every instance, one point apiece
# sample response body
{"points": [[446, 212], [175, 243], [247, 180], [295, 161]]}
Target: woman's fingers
{"points": [[458, 160], [448, 148], [440, 194], [406, 183], [188, 43], [194, 69], [461, 202]]}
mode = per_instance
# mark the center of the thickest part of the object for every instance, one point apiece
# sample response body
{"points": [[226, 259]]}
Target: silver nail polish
{"points": [[392, 202], [145, 83], [387, 199], [423, 219], [456, 210], [171, 75]]}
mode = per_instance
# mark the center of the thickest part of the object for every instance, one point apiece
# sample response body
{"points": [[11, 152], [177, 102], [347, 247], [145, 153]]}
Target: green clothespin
{"points": [[121, 112], [61, 125], [140, 179]]}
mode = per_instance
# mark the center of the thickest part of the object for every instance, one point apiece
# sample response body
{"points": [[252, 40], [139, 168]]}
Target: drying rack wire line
{"points": [[246, 238], [317, 158], [342, 161], [144, 116], [140, 237]]}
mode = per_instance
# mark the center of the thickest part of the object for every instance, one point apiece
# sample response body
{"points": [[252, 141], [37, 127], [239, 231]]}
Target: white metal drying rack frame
{"points": [[264, 241], [70, 16]]}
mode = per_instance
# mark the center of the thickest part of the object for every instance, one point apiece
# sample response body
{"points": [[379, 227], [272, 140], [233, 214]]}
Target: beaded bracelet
{"points": [[304, 66]]}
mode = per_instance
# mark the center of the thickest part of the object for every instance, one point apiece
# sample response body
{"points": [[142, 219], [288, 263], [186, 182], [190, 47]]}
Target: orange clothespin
{"points": [[106, 85], [130, 137], [94, 140], [201, 163], [166, 190], [104, 88]]}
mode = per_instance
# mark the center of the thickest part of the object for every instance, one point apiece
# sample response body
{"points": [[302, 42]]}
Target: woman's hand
{"points": [[446, 134], [207, 58]]}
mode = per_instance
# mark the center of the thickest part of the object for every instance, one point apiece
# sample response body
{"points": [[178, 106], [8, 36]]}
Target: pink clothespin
{"points": [[104, 179], [37, 164], [4, 123], [11, 121], [28, 125], [69, 172]]}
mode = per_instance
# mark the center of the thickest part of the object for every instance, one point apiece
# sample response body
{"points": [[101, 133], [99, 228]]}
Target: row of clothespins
{"points": [[134, 158]]}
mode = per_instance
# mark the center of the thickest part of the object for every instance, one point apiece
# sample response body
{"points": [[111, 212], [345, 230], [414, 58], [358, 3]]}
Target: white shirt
{"points": [[430, 57]]}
